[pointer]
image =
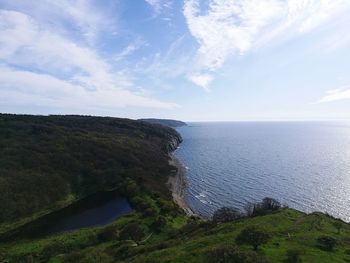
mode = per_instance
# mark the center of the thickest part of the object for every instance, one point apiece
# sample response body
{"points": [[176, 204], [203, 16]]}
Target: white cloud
{"points": [[227, 28], [53, 67], [20, 87], [201, 80], [335, 95], [84, 18], [159, 5]]}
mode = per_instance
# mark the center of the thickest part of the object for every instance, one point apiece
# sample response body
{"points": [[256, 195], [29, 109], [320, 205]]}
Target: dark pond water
{"points": [[95, 210], [92, 215]]}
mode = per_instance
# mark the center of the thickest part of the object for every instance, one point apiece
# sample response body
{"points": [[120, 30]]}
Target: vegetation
{"points": [[84, 155], [252, 236], [165, 122], [226, 214], [266, 206], [294, 237], [79, 156]]}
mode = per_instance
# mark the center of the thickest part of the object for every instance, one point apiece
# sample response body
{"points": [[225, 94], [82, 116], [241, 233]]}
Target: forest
{"points": [[47, 162]]}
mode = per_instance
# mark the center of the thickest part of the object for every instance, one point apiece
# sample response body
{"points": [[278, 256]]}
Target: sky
{"points": [[193, 60]]}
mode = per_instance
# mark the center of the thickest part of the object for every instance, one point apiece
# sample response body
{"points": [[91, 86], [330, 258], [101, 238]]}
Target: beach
{"points": [[177, 185]]}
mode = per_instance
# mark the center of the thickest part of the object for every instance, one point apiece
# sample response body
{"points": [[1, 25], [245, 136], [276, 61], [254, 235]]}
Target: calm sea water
{"points": [[305, 165]]}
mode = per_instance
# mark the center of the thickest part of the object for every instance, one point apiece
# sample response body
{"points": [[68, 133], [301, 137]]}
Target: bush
{"points": [[226, 214], [326, 243], [266, 206], [293, 256], [188, 228], [123, 251], [158, 224], [231, 254], [338, 225], [73, 257], [53, 249], [252, 236], [108, 233], [97, 256], [132, 231]]}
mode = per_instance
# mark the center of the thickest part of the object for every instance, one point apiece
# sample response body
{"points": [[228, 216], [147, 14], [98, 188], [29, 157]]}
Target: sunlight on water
{"points": [[303, 164]]}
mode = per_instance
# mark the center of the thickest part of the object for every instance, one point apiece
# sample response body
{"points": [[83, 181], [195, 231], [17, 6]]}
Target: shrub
{"points": [[252, 236], [73, 257], [93, 239], [97, 256], [158, 223], [326, 243], [149, 212], [54, 249], [132, 231], [108, 233], [123, 251], [231, 254], [293, 256], [266, 206], [226, 214], [338, 225], [188, 228]]}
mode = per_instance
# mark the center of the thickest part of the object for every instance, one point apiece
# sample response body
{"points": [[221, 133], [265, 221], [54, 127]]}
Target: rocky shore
{"points": [[177, 184]]}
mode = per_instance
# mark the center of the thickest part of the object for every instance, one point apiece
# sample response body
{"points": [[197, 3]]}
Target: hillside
{"points": [[293, 238], [50, 162], [47, 162], [165, 122]]}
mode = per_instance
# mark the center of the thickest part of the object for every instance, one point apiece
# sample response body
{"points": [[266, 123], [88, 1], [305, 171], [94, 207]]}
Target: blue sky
{"points": [[192, 60]]}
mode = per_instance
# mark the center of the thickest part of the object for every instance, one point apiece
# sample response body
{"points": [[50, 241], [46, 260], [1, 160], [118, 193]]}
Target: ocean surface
{"points": [[305, 165]]}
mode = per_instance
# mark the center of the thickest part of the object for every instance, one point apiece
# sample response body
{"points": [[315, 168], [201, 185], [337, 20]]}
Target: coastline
{"points": [[177, 185]]}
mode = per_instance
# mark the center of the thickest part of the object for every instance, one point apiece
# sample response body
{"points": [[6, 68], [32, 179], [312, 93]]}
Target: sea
{"points": [[304, 165]]}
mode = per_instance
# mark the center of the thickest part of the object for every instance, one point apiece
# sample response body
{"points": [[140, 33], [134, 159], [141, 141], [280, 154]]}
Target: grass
{"points": [[289, 229]]}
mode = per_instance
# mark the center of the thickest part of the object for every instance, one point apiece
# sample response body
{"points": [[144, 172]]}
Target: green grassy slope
{"points": [[290, 230], [188, 240]]}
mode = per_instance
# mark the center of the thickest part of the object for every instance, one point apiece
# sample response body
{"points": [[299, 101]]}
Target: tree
{"points": [[338, 225], [226, 214], [271, 204], [267, 205], [326, 243], [252, 236], [132, 231]]}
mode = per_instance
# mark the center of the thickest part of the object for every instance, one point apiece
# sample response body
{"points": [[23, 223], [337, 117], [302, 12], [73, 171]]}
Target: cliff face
{"points": [[173, 142]]}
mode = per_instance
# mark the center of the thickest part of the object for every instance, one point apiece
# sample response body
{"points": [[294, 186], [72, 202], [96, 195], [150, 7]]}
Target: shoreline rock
{"points": [[177, 185]]}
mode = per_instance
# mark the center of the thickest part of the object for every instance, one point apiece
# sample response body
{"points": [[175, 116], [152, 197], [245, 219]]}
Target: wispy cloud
{"points": [[41, 62], [337, 94], [20, 87], [159, 5], [227, 28]]}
